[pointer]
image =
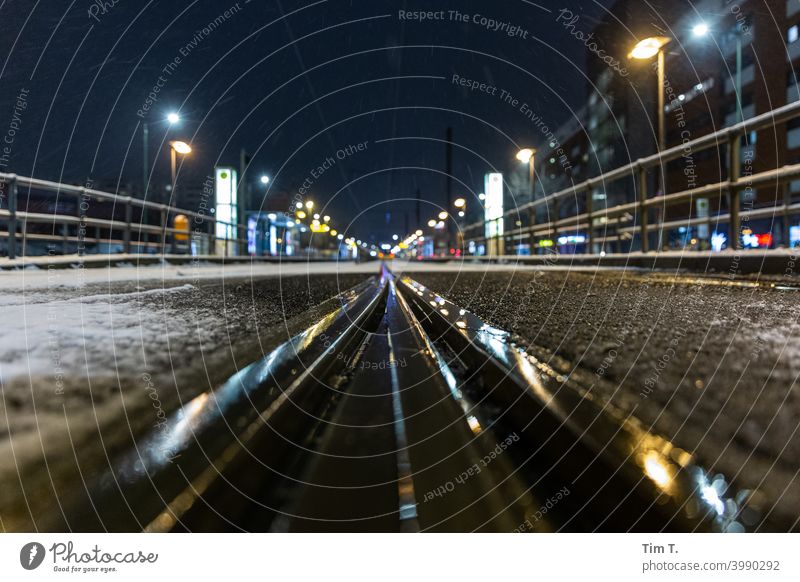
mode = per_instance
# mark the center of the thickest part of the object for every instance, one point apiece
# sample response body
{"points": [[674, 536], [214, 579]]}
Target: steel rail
{"points": [[161, 478], [604, 453]]}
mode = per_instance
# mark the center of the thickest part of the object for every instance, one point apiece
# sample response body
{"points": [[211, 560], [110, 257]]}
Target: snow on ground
{"points": [[90, 359]]}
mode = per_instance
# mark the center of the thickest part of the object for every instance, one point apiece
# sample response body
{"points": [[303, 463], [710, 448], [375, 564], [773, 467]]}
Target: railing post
{"points": [[734, 168], [212, 236], [644, 238], [531, 222], [556, 213], [126, 237], [83, 207], [787, 201], [164, 218], [589, 219], [12, 217]]}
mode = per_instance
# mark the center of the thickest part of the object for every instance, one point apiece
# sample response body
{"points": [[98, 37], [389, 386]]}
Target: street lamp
{"points": [[309, 204], [646, 49], [173, 118], [528, 156], [443, 215], [265, 179], [418, 233], [432, 223], [177, 147]]}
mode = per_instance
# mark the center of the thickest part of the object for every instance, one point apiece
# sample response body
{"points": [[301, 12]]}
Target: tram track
{"points": [[400, 411]]}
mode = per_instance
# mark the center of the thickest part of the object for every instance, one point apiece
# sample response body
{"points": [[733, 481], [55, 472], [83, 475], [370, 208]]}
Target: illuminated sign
{"points": [[718, 241], [754, 241], [493, 203], [546, 242], [573, 239], [226, 213], [794, 236]]}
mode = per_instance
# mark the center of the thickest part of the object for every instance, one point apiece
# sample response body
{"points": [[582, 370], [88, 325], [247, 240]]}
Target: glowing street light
{"points": [[649, 47], [431, 223], [443, 215], [525, 155], [418, 233], [459, 203], [326, 218], [181, 147], [173, 118], [395, 237], [700, 29], [309, 204], [265, 179]]}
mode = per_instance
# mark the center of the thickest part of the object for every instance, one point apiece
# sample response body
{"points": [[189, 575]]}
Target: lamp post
{"points": [[528, 156], [177, 147], [646, 49], [172, 118]]}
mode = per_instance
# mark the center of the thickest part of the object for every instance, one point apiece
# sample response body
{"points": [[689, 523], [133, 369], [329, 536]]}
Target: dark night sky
{"points": [[292, 83]]}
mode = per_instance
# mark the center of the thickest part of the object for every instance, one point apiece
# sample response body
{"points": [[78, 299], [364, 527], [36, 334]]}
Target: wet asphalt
{"points": [[710, 365]]}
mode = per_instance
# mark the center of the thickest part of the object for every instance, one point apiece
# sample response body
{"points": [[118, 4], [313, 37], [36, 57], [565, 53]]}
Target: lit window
{"points": [[792, 34]]}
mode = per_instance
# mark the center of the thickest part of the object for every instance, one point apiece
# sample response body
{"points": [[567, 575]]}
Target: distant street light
{"points": [[418, 233], [431, 223], [442, 215], [265, 179], [459, 203], [309, 204], [525, 155], [700, 29], [395, 237], [173, 118]]}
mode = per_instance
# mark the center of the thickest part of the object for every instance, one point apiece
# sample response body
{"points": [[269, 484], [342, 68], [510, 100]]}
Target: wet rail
{"points": [[400, 411]]}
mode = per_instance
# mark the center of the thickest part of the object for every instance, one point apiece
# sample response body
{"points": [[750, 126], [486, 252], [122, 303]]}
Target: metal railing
{"points": [[132, 225], [630, 220]]}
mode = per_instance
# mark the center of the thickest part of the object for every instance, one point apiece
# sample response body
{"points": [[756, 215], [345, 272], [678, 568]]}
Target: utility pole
{"points": [[448, 169]]}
